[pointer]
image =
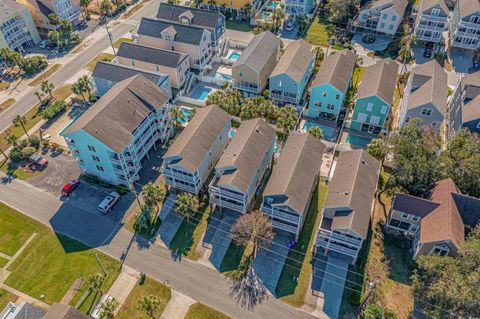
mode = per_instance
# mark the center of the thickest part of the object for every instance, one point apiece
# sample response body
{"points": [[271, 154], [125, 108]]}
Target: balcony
{"points": [[283, 226], [250, 87], [328, 245], [185, 177], [275, 212], [282, 97], [217, 199], [427, 17]]}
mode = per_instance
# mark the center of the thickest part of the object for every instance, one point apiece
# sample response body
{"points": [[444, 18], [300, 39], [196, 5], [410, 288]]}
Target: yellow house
{"points": [[229, 4], [17, 28]]}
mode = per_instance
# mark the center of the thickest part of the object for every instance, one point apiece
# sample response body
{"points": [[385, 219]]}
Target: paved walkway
{"points": [[72, 291], [24, 297], [177, 306], [25, 244], [124, 284]]}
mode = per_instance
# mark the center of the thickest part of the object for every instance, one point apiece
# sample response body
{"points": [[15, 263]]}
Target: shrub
{"points": [[33, 65], [27, 152], [23, 143], [45, 143], [122, 189], [34, 141], [53, 109], [15, 154]]}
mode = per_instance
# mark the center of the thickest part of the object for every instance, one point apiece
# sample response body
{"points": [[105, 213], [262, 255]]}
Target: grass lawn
{"points": [[33, 118], [119, 41], [101, 57], [149, 287], [243, 26], [51, 263], [200, 311], [134, 9], [45, 75], [5, 298], [319, 32], [18, 172], [5, 105], [63, 92], [3, 262], [292, 292], [4, 85]]}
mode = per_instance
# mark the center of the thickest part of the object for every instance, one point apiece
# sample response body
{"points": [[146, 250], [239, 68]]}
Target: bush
{"points": [[368, 38], [23, 143], [45, 143], [33, 65], [54, 109], [34, 141], [27, 152], [122, 189], [15, 154], [355, 298]]}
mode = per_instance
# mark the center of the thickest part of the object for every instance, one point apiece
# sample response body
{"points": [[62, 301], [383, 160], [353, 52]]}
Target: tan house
{"points": [[40, 9], [191, 40], [17, 29], [436, 224], [174, 64], [251, 71]]}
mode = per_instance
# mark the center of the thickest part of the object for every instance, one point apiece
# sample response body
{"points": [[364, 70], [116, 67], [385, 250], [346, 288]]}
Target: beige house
{"points": [[381, 16], [40, 9], [174, 64], [251, 71], [191, 40], [17, 28], [436, 224]]}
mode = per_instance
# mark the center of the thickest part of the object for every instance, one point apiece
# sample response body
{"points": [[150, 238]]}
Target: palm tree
{"points": [[150, 305], [316, 131], [54, 36], [143, 220], [77, 90], [105, 8], [212, 3], [153, 194], [39, 96], [177, 115], [86, 85], [95, 283], [186, 205], [21, 120], [287, 119], [84, 5], [12, 139], [108, 309], [54, 18], [47, 87]]}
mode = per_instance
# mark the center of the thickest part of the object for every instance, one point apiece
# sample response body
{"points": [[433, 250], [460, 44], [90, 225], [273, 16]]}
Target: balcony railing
{"points": [[344, 250], [280, 225], [276, 213], [216, 199], [428, 17], [285, 98], [184, 187], [246, 87], [170, 172]]}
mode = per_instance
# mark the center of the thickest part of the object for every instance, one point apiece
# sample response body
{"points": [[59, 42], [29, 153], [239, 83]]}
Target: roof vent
{"points": [[346, 193]]}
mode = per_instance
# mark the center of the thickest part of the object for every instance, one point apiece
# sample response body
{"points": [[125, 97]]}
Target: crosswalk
{"points": [[132, 22]]}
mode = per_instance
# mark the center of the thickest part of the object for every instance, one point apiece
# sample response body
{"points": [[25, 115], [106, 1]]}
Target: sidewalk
{"points": [[177, 307]]}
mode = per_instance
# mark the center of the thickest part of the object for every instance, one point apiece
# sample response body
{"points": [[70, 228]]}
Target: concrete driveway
{"points": [[418, 50], [462, 61], [171, 222], [380, 43]]}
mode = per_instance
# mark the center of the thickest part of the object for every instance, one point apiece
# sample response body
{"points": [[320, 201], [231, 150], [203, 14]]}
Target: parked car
{"points": [[427, 53], [108, 202], [44, 44], [69, 187], [37, 160], [290, 26]]}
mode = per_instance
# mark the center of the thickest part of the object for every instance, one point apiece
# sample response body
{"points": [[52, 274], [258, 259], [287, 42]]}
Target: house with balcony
{"points": [[289, 78], [465, 25], [174, 64], [213, 21], [115, 134], [107, 74], [191, 158], [17, 29], [232, 6], [299, 7], [242, 166], [349, 205], [294, 178], [464, 108], [381, 16], [40, 9], [330, 85], [436, 224], [375, 97], [251, 71], [425, 96], [189, 39], [431, 21]]}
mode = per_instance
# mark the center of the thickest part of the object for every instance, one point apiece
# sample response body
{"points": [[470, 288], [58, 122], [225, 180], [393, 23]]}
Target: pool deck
{"points": [[347, 131], [332, 124]]}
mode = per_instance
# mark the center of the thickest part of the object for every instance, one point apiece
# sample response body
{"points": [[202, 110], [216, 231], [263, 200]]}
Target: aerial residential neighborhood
{"points": [[189, 159]]}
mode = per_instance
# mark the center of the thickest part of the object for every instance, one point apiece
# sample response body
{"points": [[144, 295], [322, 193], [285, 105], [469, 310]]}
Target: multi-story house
{"points": [[232, 6], [287, 196], [465, 25], [107, 74], [190, 160], [425, 96], [251, 71], [381, 16], [375, 97], [432, 19], [436, 224], [213, 21], [349, 205], [464, 109], [299, 7], [289, 78], [191, 40], [330, 85], [17, 29], [40, 9], [113, 136], [242, 166], [174, 64]]}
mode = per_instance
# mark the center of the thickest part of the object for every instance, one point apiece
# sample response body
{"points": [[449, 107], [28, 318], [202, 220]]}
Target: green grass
{"points": [[51, 262], [290, 291], [5, 105], [129, 309], [243, 26], [5, 298], [198, 233], [33, 118], [200, 311], [119, 42], [101, 57], [45, 75], [3, 262], [319, 32], [4, 85]]}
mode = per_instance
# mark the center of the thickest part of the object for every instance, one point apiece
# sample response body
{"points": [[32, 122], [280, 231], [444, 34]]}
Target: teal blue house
{"points": [[375, 97], [331, 85]]}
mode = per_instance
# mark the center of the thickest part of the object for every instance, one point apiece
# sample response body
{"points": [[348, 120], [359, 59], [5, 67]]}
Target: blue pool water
{"points": [[266, 15], [234, 56], [187, 115], [224, 77], [357, 140], [275, 149], [272, 5], [328, 132], [231, 134], [200, 92]]}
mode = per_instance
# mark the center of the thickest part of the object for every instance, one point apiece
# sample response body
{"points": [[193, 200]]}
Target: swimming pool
{"points": [[357, 140], [266, 15], [200, 92], [187, 115], [234, 56], [231, 133], [328, 132], [275, 149], [224, 77], [272, 5]]}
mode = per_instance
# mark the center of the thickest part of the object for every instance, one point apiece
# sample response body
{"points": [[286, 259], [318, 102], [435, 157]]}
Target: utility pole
{"points": [[106, 28], [100, 263], [134, 191], [371, 287]]}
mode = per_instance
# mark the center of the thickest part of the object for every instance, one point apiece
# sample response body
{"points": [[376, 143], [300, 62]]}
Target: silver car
{"points": [[108, 202]]}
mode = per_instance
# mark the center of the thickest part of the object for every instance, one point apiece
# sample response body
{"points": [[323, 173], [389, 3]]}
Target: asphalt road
{"points": [[78, 218], [69, 69]]}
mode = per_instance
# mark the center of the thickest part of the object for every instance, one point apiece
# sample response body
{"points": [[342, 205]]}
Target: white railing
{"points": [[223, 203], [338, 248], [246, 87], [284, 98], [280, 225], [169, 172]]}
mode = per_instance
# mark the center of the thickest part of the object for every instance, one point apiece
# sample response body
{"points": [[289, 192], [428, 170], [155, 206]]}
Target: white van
{"points": [[108, 202]]}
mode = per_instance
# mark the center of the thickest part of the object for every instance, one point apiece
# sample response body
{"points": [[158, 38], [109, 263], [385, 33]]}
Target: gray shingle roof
{"points": [[353, 185], [193, 144], [118, 72], [9, 7], [413, 205], [428, 4], [259, 51], [61, 311], [468, 7], [398, 5], [202, 18], [245, 152], [184, 33], [151, 55], [28, 311], [336, 69], [296, 171], [295, 60], [379, 80], [113, 119]]}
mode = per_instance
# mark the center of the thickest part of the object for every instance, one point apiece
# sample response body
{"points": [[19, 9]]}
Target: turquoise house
{"points": [[375, 97], [331, 85]]}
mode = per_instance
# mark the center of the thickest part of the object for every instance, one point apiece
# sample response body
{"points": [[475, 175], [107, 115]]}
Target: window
{"points": [[330, 107], [100, 168], [415, 218], [382, 25], [375, 120], [269, 200], [324, 94], [478, 125], [369, 107], [404, 215], [413, 228], [337, 97], [390, 27], [319, 104], [384, 109], [362, 117], [91, 148], [385, 16], [394, 18], [95, 158], [426, 112]]}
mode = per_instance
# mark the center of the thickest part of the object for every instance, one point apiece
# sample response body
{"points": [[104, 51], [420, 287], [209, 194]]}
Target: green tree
{"points": [[378, 149], [149, 305], [39, 96], [86, 85], [47, 88], [177, 115], [253, 228], [153, 194], [186, 205], [108, 309], [231, 102], [12, 139], [78, 90], [319, 56], [84, 5], [106, 8], [21, 120], [95, 282], [341, 11], [374, 311], [316, 131], [287, 119], [54, 18], [144, 219], [54, 37]]}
